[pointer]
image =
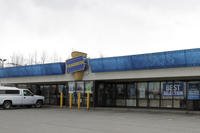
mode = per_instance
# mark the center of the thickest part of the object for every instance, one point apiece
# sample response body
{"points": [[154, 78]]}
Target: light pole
{"points": [[2, 62]]}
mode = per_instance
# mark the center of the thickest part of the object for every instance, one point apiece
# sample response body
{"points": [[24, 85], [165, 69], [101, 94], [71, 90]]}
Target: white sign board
{"points": [[71, 87]]}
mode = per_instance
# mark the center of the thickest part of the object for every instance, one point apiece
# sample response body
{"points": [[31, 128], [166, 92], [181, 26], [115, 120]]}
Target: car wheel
{"points": [[38, 104], [7, 105]]}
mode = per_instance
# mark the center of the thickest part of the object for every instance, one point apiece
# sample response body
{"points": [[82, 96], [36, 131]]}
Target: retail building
{"points": [[156, 80]]}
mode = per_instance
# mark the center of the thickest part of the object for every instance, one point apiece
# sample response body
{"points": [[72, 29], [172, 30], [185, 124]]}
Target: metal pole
{"points": [[70, 100], [79, 100], [88, 101], [2, 62]]}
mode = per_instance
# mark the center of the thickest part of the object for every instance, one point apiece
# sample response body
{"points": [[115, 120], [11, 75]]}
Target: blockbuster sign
{"points": [[76, 64]]}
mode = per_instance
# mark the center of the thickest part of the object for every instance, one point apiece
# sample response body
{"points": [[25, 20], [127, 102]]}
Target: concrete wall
{"points": [[186, 72]]}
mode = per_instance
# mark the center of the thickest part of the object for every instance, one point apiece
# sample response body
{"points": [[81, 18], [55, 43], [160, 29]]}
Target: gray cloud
{"points": [[96, 26]]}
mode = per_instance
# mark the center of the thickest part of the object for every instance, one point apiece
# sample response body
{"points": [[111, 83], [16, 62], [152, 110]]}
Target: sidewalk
{"points": [[151, 110], [147, 110]]}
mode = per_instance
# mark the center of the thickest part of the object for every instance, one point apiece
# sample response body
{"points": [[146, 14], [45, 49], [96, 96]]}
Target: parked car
{"points": [[12, 96]]}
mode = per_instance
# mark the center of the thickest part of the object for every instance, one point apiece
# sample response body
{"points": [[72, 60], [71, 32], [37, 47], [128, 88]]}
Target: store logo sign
{"points": [[76, 64]]}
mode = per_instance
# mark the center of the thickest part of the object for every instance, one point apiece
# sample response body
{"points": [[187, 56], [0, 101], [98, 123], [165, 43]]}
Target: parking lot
{"points": [[55, 120]]}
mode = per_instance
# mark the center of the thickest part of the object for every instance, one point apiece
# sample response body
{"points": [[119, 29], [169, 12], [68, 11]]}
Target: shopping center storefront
{"points": [[158, 80], [129, 94], [151, 94]]}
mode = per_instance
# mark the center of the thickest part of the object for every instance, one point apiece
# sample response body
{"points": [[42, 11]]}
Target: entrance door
{"points": [[110, 95], [106, 95], [100, 95]]}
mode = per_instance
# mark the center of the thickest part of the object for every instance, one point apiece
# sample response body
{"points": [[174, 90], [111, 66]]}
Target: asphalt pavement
{"points": [[55, 120]]}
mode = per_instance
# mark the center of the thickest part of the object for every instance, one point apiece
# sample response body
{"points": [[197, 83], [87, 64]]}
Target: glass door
{"points": [[121, 94], [100, 95], [142, 94], [131, 95], [106, 95], [109, 96]]}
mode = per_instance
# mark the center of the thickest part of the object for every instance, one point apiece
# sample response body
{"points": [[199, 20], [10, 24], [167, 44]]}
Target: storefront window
{"points": [[120, 95], [72, 91], [131, 95], [35, 89], [166, 92], [179, 90], [23, 86], [53, 95], [131, 91], [45, 92], [154, 94], [142, 94], [193, 95], [89, 88], [193, 91]]}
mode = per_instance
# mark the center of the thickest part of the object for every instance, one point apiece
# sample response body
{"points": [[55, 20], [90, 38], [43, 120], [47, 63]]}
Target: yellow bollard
{"points": [[70, 100], [79, 100], [61, 100], [88, 101]]}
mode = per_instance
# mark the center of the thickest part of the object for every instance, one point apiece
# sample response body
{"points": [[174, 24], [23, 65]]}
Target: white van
{"points": [[12, 96]]}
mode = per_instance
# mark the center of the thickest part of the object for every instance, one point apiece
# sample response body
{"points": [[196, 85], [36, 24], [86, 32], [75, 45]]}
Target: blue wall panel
{"points": [[193, 57], [175, 59], [33, 70], [156, 60], [109, 64], [97, 65], [124, 64], [170, 59]]}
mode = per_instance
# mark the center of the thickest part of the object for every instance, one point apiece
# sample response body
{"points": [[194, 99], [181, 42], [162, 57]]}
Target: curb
{"points": [[143, 110]]}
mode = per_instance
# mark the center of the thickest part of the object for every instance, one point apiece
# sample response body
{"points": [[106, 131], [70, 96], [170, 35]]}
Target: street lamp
{"points": [[2, 62]]}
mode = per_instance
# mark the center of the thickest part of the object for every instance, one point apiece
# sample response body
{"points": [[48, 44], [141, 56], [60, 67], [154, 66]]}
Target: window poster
{"points": [[132, 90], [71, 87], [142, 92], [80, 87], [61, 88], [193, 91], [88, 86], [173, 89]]}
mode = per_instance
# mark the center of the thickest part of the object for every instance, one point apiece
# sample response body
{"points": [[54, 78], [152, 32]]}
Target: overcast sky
{"points": [[98, 27]]}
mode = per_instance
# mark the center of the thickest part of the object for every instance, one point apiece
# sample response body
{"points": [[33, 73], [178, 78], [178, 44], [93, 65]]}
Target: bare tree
{"points": [[43, 57], [17, 59], [55, 57], [30, 59], [35, 56]]}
